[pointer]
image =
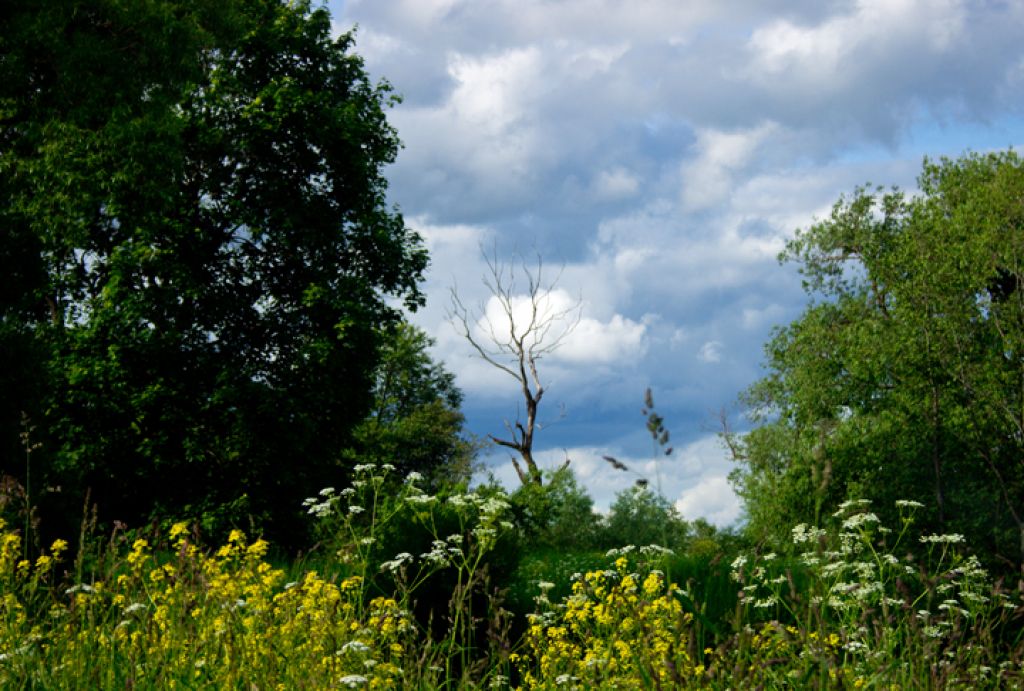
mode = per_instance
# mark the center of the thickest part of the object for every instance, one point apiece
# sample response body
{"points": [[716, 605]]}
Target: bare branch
{"points": [[528, 325]]}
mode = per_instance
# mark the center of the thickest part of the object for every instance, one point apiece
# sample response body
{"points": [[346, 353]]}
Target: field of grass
{"points": [[858, 605]]}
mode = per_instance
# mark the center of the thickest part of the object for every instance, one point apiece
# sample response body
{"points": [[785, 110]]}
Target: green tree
{"points": [[557, 513], [415, 423], [192, 195], [642, 517], [904, 379]]}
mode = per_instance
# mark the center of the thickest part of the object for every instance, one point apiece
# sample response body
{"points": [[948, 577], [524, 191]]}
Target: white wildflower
{"points": [[908, 504], [354, 646], [950, 539], [859, 519]]}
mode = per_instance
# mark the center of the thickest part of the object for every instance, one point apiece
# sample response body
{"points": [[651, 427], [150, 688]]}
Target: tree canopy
{"points": [[415, 423], [197, 250], [904, 378]]}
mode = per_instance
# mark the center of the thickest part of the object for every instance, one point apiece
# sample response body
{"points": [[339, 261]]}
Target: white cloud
{"points": [[842, 46], [618, 340], [709, 180], [616, 183], [758, 317], [666, 151], [713, 499], [551, 319], [710, 352]]}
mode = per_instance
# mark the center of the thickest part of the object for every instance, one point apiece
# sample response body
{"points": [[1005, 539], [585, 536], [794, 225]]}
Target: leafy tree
{"points": [[557, 513], [903, 378], [642, 517], [193, 214], [415, 423]]}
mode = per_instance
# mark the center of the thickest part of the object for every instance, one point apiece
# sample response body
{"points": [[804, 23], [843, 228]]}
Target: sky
{"points": [[657, 154]]}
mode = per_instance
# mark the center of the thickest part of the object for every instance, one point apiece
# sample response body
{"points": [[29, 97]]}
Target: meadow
{"points": [[853, 604]]}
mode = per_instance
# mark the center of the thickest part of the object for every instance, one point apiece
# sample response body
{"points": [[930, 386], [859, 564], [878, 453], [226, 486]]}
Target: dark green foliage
{"points": [[194, 221], [558, 513], [642, 517], [415, 423], [903, 380]]}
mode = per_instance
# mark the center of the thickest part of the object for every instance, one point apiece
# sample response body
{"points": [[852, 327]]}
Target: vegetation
{"points": [[200, 257], [902, 379], [850, 608], [200, 317]]}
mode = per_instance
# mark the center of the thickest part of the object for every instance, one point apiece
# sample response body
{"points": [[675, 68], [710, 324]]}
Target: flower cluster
{"points": [[867, 607], [618, 629], [225, 619]]}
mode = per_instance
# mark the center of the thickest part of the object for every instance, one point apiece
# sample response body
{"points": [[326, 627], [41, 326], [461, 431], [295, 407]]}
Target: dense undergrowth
{"points": [[855, 604]]}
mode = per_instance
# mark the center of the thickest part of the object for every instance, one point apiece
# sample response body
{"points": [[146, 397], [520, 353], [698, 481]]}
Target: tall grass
{"points": [[855, 605]]}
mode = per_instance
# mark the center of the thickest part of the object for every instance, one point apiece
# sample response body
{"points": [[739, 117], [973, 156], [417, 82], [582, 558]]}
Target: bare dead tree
{"points": [[528, 326]]}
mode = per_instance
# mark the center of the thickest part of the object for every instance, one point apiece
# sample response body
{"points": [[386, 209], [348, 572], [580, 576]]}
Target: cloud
{"points": [[828, 53], [712, 499], [616, 183], [710, 352], [595, 342], [551, 322], [708, 180], [664, 152]]}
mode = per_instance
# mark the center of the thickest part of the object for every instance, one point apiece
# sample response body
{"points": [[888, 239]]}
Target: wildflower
{"points": [[908, 504], [80, 588], [849, 504], [354, 646], [943, 539], [650, 550], [179, 530], [618, 552], [353, 680], [397, 562], [737, 565], [858, 520], [802, 533]]}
